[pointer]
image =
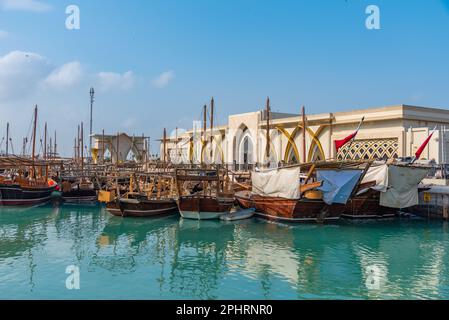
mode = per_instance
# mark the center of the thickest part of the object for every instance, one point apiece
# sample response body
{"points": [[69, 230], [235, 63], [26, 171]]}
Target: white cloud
{"points": [[164, 79], [65, 76], [111, 80], [20, 72], [25, 5], [3, 34]]}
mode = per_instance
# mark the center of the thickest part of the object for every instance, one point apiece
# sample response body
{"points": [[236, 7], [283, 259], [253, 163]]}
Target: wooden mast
{"points": [[102, 148], [267, 150], [211, 126], [45, 141], [176, 143], [45, 151], [7, 138], [82, 146], [34, 141], [117, 153], [165, 146], [54, 149], [303, 134], [78, 145], [74, 149], [203, 138]]}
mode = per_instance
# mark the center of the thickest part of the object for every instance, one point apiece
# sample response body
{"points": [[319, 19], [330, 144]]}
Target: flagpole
{"points": [[425, 142], [352, 140]]}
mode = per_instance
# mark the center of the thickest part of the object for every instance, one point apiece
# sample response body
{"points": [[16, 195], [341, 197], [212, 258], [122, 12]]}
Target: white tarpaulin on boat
{"points": [[337, 184], [282, 183], [402, 186], [378, 174]]}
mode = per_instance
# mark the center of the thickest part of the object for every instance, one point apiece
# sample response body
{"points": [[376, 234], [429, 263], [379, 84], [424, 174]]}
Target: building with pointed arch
{"points": [[119, 147], [387, 132]]}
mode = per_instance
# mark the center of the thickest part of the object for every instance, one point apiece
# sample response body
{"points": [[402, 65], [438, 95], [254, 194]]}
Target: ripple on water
{"points": [[172, 258]]}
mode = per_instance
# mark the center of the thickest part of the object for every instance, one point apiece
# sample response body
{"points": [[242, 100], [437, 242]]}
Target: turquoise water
{"points": [[170, 258]]}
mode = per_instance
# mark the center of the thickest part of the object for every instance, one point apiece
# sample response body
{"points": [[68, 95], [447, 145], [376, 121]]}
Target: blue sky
{"points": [[155, 63]]}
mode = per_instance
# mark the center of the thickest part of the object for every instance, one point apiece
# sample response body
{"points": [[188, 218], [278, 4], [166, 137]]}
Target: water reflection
{"points": [[176, 258]]}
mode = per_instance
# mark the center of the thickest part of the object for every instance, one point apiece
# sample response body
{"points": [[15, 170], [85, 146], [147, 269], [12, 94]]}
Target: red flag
{"points": [[342, 142], [423, 146]]}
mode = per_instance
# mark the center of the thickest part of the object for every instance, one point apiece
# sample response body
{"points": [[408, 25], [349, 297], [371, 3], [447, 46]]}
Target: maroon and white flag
{"points": [[342, 142]]}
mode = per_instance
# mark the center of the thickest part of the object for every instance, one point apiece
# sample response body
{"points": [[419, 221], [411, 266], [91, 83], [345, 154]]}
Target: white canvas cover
{"points": [[337, 184], [380, 175], [282, 183], [402, 186]]}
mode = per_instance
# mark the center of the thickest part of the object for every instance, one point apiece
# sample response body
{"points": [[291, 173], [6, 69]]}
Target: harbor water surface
{"points": [[171, 258]]}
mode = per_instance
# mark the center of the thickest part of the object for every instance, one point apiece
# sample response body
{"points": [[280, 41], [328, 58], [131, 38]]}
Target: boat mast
{"points": [[118, 145], [176, 143], [24, 146], [203, 140], [102, 147], [54, 149], [211, 126], [45, 151], [7, 138], [267, 150], [34, 140], [45, 141], [78, 145], [92, 98], [82, 147], [74, 149], [165, 145], [303, 134]]}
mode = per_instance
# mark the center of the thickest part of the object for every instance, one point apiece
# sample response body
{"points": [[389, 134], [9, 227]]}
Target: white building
{"points": [[387, 132]]}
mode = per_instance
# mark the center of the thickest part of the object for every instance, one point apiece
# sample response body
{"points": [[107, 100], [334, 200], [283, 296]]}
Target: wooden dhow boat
{"points": [[27, 183], [322, 196], [153, 199], [141, 206], [25, 192], [78, 192], [203, 194], [385, 189]]}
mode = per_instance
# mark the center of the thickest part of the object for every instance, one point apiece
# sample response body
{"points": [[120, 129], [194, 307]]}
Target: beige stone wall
{"points": [[409, 125]]}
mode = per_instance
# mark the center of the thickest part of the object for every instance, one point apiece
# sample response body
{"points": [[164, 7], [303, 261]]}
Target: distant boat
{"points": [[141, 207], [385, 189], [24, 193], [26, 188], [81, 192], [210, 201], [155, 201], [279, 195], [238, 215]]}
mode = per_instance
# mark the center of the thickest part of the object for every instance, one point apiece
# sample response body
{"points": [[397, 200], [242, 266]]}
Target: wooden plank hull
{"points": [[142, 208], [366, 206], [80, 196], [244, 199], [204, 208], [16, 195], [293, 210]]}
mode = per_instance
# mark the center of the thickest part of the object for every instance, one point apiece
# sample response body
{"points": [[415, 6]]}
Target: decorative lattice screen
{"points": [[370, 149]]}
